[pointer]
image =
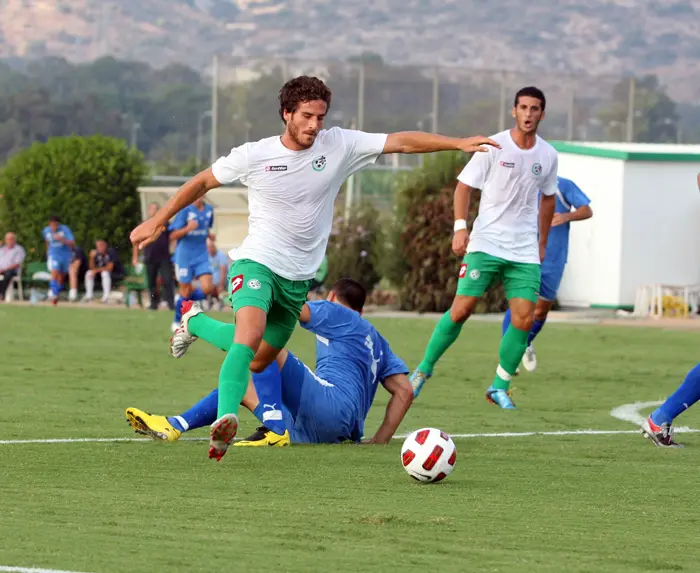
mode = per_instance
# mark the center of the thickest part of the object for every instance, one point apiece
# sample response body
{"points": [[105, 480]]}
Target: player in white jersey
{"points": [[292, 182], [507, 241]]}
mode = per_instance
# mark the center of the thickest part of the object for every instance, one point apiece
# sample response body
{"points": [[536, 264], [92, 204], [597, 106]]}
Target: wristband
{"points": [[460, 225]]}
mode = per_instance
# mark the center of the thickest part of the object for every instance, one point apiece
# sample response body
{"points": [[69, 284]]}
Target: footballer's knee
{"points": [[522, 314], [250, 327], [462, 308]]}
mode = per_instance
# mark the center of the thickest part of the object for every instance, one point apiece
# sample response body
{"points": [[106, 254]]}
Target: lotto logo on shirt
{"points": [[275, 168], [508, 164], [236, 283], [462, 271]]}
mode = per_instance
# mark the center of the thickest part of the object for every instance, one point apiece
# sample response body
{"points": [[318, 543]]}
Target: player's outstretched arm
{"points": [[197, 187], [419, 142], [401, 392]]}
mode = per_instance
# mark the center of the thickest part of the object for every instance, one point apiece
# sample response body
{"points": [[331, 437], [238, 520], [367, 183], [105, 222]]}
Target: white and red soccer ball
{"points": [[428, 455]]}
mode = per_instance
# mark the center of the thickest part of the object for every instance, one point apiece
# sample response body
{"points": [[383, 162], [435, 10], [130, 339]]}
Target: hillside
{"points": [[592, 36]]}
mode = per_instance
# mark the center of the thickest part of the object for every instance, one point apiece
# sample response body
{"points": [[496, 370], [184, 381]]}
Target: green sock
{"points": [[513, 346], [445, 333], [215, 332], [233, 378]]}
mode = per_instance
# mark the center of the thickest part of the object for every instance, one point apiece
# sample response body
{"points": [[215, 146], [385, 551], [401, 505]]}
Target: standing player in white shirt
{"points": [[293, 181], [504, 241]]}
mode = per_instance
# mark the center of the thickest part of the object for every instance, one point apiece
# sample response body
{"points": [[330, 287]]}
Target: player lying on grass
{"points": [[291, 401], [292, 181]]}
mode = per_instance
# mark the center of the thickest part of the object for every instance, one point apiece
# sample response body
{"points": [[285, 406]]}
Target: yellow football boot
{"points": [[265, 437], [147, 424]]}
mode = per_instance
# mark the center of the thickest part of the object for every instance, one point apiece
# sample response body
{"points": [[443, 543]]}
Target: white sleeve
{"points": [[476, 171], [232, 167], [362, 149], [549, 185]]}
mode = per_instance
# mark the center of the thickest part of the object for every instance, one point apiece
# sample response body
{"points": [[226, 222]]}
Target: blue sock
{"points": [[687, 394], [178, 308], [535, 330], [54, 287], [203, 413], [506, 322], [268, 385], [198, 294]]}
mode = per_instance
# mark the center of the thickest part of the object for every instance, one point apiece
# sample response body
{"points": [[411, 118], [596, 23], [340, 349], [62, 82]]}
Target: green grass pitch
{"points": [[568, 503]]}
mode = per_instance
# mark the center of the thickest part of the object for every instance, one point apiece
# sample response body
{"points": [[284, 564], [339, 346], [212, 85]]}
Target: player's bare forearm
{"points": [[548, 204], [462, 198], [194, 189], [420, 142], [401, 400], [581, 214]]}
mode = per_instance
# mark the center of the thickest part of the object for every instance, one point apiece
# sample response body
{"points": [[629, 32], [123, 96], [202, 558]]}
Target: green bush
{"points": [[355, 245], [91, 183], [419, 259]]}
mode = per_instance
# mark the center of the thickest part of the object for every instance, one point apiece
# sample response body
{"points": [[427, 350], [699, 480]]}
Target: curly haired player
{"points": [[293, 180]]}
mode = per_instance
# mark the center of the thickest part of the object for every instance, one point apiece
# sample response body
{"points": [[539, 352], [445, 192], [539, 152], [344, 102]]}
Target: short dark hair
{"points": [[351, 293], [530, 91], [302, 89], [54, 219]]}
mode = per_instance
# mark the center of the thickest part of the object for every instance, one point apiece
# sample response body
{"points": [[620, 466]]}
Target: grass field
{"points": [[569, 503]]}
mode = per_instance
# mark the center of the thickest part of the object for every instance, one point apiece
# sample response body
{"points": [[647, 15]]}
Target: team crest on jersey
{"points": [[463, 271], [319, 163], [474, 274], [236, 283], [537, 169], [254, 284]]}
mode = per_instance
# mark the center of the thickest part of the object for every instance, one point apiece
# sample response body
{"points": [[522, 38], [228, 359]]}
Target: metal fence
{"points": [[379, 97], [376, 97]]}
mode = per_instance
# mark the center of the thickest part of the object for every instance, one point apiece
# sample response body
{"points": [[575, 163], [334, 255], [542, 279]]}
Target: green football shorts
{"points": [[253, 284], [480, 271]]}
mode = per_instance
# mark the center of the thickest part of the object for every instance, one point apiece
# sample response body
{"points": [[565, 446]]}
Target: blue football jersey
{"points": [[351, 355], [569, 196], [194, 243], [58, 250]]}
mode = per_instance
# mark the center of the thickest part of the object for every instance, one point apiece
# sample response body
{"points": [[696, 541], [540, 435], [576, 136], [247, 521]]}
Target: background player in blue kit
{"points": [[191, 228], [326, 406], [59, 250], [572, 205]]}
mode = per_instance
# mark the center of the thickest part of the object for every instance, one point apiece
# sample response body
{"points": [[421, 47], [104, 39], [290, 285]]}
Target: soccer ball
{"points": [[428, 455]]}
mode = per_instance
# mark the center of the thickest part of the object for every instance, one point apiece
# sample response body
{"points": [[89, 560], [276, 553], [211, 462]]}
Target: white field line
{"points": [[6, 569], [626, 413], [630, 413], [397, 437]]}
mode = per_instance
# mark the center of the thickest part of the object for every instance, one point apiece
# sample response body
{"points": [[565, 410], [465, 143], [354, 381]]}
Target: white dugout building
{"points": [[645, 229]]}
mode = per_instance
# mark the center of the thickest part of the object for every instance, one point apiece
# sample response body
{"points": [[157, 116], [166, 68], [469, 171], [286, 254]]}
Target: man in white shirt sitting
{"points": [[11, 258]]}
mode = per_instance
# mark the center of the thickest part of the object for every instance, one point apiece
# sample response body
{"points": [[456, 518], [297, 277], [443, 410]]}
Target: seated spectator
{"points": [[220, 263], [104, 263], [11, 259], [77, 268]]}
